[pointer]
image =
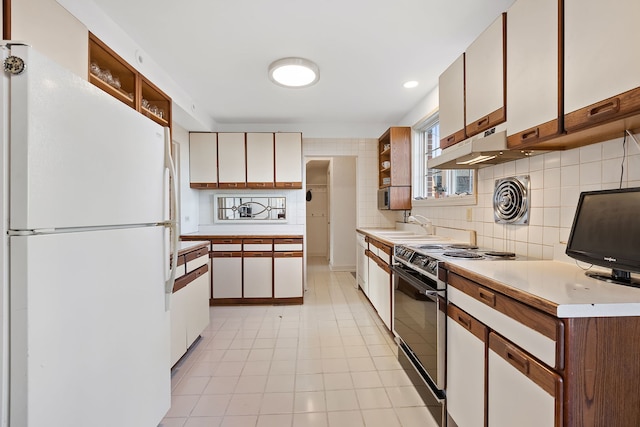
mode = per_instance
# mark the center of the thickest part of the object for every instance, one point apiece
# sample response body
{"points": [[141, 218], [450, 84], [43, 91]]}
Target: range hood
{"points": [[485, 149]]}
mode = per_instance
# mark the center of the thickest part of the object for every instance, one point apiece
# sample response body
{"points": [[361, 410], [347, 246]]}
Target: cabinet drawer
{"points": [[190, 256], [257, 244], [227, 254], [287, 244], [197, 262], [536, 332], [288, 254]]}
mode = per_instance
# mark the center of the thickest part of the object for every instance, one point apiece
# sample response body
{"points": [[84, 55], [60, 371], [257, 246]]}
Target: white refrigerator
{"points": [[85, 253]]}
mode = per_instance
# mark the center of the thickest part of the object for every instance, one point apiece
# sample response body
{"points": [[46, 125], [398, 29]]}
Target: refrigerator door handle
{"points": [[173, 224]]}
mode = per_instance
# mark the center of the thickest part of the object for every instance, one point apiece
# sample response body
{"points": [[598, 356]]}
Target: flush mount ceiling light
{"points": [[294, 72], [410, 84]]}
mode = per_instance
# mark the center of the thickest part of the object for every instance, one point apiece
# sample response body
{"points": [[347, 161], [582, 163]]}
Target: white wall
{"points": [[342, 213], [189, 198]]}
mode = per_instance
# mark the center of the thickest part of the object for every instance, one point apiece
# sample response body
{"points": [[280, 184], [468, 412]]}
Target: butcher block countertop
{"points": [[558, 288]]}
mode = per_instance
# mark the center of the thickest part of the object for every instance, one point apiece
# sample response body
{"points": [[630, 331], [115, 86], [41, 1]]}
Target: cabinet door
{"points": [[203, 160], [288, 156], [231, 160], [485, 79], [287, 274], [260, 160], [598, 61], [197, 315], [466, 342], [533, 38], [226, 270], [257, 282], [451, 96], [522, 392], [178, 325]]}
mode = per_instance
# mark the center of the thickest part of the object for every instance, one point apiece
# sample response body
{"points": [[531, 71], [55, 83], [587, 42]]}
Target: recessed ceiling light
{"points": [[410, 84], [294, 72]]}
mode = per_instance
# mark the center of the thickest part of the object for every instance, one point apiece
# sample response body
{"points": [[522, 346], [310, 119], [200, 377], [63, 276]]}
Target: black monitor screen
{"points": [[606, 229]]}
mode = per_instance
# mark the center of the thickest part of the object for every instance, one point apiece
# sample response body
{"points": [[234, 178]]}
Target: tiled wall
{"points": [[557, 178], [366, 151]]}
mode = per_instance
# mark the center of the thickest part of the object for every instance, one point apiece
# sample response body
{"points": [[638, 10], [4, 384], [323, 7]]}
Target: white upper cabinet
{"points": [[601, 61], [203, 160], [533, 72], [485, 79], [288, 155], [231, 160], [260, 160], [451, 99]]}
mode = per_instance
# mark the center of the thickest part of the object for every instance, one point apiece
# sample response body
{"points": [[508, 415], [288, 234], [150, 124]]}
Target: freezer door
{"points": [[89, 332], [79, 157]]}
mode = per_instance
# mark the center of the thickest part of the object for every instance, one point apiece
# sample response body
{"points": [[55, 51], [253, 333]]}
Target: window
{"points": [[434, 183]]}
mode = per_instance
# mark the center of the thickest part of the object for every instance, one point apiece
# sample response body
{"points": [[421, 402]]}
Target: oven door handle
{"points": [[430, 293]]}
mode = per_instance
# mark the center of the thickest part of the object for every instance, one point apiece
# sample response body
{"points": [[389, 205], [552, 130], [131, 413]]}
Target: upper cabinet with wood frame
{"points": [[232, 166], [114, 75], [288, 157], [484, 74], [260, 160], [602, 69], [451, 99], [534, 71]]}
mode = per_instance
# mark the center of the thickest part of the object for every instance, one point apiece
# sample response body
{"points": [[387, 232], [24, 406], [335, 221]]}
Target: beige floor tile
{"points": [[369, 379], [341, 400], [239, 421], [251, 384], [338, 381], [245, 404], [277, 403], [315, 419], [345, 419], [221, 385], [373, 398], [280, 383], [211, 405], [309, 382], [309, 401], [203, 422], [380, 418], [404, 396], [276, 420]]}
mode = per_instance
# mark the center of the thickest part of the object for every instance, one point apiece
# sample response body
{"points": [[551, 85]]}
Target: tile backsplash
{"points": [[556, 179]]}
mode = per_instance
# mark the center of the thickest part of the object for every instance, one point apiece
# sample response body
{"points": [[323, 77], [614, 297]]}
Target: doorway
{"points": [[331, 210]]}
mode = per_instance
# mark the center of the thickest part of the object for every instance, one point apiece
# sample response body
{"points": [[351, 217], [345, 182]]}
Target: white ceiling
{"points": [[218, 52]]}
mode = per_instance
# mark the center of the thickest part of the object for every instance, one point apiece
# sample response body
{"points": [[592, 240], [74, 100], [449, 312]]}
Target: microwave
{"points": [[384, 198]]}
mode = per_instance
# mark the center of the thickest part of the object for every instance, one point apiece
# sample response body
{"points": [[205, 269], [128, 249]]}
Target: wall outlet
{"points": [[469, 214]]}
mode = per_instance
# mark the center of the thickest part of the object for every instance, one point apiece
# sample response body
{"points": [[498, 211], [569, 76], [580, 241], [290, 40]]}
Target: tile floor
{"points": [[327, 363]]}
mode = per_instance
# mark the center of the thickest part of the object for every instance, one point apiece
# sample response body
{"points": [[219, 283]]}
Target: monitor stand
{"points": [[619, 277]]}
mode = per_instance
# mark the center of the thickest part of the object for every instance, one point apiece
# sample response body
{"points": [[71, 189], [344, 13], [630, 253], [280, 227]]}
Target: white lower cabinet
{"points": [[466, 342], [379, 288], [258, 273], [178, 325], [227, 275], [189, 305], [522, 392], [288, 274]]}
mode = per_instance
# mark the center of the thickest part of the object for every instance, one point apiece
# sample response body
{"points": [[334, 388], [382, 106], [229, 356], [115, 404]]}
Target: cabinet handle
{"points": [[464, 322], [482, 121], [518, 361], [608, 107], [452, 138], [488, 298], [288, 184], [531, 134]]}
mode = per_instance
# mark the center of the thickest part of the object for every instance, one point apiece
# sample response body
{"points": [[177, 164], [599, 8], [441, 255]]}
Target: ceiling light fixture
{"points": [[294, 72], [410, 84]]}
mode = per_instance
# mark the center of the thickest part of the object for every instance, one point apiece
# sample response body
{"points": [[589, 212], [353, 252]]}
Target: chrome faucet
{"points": [[427, 224]]}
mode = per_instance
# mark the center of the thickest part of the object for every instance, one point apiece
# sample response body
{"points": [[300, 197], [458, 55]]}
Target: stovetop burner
{"points": [[430, 247], [463, 254], [497, 254], [462, 246]]}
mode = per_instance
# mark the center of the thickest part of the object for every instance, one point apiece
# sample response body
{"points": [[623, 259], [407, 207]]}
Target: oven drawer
{"points": [[536, 332]]}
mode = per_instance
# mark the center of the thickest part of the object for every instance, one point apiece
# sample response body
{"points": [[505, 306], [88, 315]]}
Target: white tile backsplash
{"points": [[556, 178]]}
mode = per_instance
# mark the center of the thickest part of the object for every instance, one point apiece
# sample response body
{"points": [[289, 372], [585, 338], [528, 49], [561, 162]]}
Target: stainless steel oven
{"points": [[419, 322]]}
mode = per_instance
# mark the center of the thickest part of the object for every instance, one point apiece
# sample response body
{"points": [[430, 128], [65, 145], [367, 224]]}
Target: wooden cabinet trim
{"points": [[487, 122], [290, 254], [453, 139], [291, 185], [281, 241], [616, 107], [470, 323], [190, 277], [233, 254], [257, 254], [384, 247], [257, 241], [190, 256], [226, 241], [197, 185], [534, 135], [544, 377]]}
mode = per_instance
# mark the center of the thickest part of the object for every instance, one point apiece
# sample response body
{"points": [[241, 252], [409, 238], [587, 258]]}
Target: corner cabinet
{"points": [[394, 162], [111, 73], [256, 269]]}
